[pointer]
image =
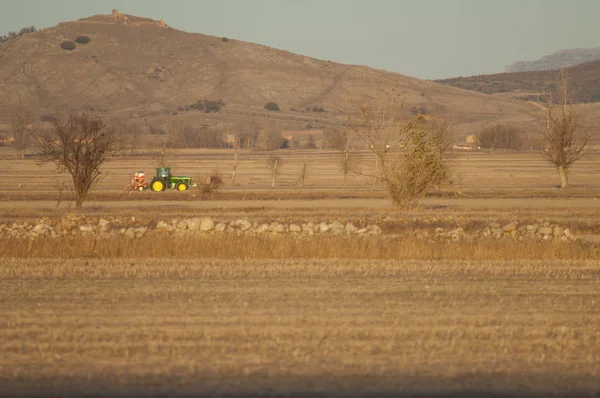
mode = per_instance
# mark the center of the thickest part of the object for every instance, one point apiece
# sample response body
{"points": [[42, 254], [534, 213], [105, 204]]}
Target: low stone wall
{"points": [[543, 231], [131, 228]]}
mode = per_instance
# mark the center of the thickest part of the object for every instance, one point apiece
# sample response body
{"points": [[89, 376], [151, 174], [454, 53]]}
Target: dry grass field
{"points": [[478, 171], [329, 316], [201, 327], [181, 313], [483, 185]]}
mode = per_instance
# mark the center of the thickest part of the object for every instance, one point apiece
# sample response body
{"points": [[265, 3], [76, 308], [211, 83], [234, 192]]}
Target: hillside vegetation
{"points": [[584, 81]]}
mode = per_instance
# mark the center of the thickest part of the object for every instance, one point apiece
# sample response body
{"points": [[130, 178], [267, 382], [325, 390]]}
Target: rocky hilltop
{"points": [[558, 60]]}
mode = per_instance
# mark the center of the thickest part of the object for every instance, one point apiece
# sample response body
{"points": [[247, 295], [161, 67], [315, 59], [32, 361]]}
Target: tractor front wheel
{"points": [[141, 188], [158, 184], [181, 186]]}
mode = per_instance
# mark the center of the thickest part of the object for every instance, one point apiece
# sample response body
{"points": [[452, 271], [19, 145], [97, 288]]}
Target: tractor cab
{"points": [[165, 173]]}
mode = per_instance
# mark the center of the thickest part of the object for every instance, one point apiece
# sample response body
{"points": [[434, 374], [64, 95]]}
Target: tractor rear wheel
{"points": [[182, 186], [158, 184]]}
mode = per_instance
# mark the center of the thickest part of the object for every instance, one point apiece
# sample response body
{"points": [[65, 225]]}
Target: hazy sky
{"points": [[422, 38]]}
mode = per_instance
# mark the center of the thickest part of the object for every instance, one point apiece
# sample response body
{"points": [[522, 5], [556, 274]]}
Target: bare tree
{"points": [[336, 138], [134, 132], [341, 140], [79, 144], [410, 156], [196, 136], [564, 141], [272, 137], [236, 146], [274, 164], [160, 146], [21, 122], [127, 133], [303, 171], [310, 142], [246, 134], [119, 127], [501, 136]]}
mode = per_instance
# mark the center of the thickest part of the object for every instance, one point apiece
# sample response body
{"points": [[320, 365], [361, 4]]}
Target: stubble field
{"points": [[309, 327], [318, 317]]}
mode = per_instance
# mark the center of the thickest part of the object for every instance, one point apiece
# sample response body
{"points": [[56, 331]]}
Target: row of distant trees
{"points": [[135, 136], [410, 157], [12, 35]]}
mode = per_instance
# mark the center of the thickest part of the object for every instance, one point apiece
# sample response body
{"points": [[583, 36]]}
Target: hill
{"points": [[558, 60], [142, 68], [584, 80]]}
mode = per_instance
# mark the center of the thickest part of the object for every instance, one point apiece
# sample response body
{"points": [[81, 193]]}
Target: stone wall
{"points": [[73, 225]]}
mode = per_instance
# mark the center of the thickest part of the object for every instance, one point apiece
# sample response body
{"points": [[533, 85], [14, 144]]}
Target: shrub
{"points": [[212, 185], [336, 138], [272, 106], [47, 118], [83, 40], [198, 105], [68, 45], [224, 40], [213, 106], [419, 110], [311, 142], [204, 105], [594, 97]]}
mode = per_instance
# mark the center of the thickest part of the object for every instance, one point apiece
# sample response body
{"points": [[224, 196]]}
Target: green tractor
{"points": [[164, 180]]}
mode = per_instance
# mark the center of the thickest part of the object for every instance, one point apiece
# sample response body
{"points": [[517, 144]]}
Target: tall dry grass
{"points": [[286, 247]]}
